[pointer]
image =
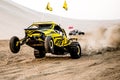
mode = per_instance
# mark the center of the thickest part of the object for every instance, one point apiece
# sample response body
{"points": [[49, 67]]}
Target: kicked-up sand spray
{"points": [[100, 40]]}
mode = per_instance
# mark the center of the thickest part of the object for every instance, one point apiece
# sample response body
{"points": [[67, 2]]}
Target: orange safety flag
{"points": [[48, 7], [65, 5]]}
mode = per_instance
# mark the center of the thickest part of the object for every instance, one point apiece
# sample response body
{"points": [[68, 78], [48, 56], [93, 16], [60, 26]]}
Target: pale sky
{"points": [[78, 9]]}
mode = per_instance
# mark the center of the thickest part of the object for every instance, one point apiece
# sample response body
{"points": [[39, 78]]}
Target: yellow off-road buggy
{"points": [[46, 37]]}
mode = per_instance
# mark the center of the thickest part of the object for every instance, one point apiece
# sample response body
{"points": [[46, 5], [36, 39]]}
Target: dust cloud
{"points": [[100, 40]]}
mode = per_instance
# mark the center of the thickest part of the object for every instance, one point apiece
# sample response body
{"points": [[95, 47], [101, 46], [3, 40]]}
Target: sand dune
{"points": [[14, 18]]}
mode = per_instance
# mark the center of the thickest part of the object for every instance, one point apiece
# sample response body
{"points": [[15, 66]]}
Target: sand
{"points": [[23, 66]]}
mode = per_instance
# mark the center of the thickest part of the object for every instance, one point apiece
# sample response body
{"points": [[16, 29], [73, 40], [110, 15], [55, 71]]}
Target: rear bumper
{"points": [[34, 43]]}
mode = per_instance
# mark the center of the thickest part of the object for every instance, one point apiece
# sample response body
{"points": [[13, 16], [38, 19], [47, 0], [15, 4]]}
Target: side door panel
{"points": [[58, 40]]}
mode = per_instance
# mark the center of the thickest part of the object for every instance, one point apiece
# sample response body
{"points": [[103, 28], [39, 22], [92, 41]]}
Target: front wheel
{"points": [[49, 45], [14, 44], [75, 50]]}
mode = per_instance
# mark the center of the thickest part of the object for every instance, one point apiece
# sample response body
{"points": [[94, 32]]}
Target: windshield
{"points": [[41, 26]]}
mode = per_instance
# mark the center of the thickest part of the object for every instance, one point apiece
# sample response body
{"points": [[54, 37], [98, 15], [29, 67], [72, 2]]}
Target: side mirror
{"points": [[64, 33]]}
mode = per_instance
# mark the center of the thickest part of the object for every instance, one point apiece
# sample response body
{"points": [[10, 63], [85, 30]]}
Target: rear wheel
{"points": [[49, 45], [39, 53], [14, 44], [75, 50]]}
